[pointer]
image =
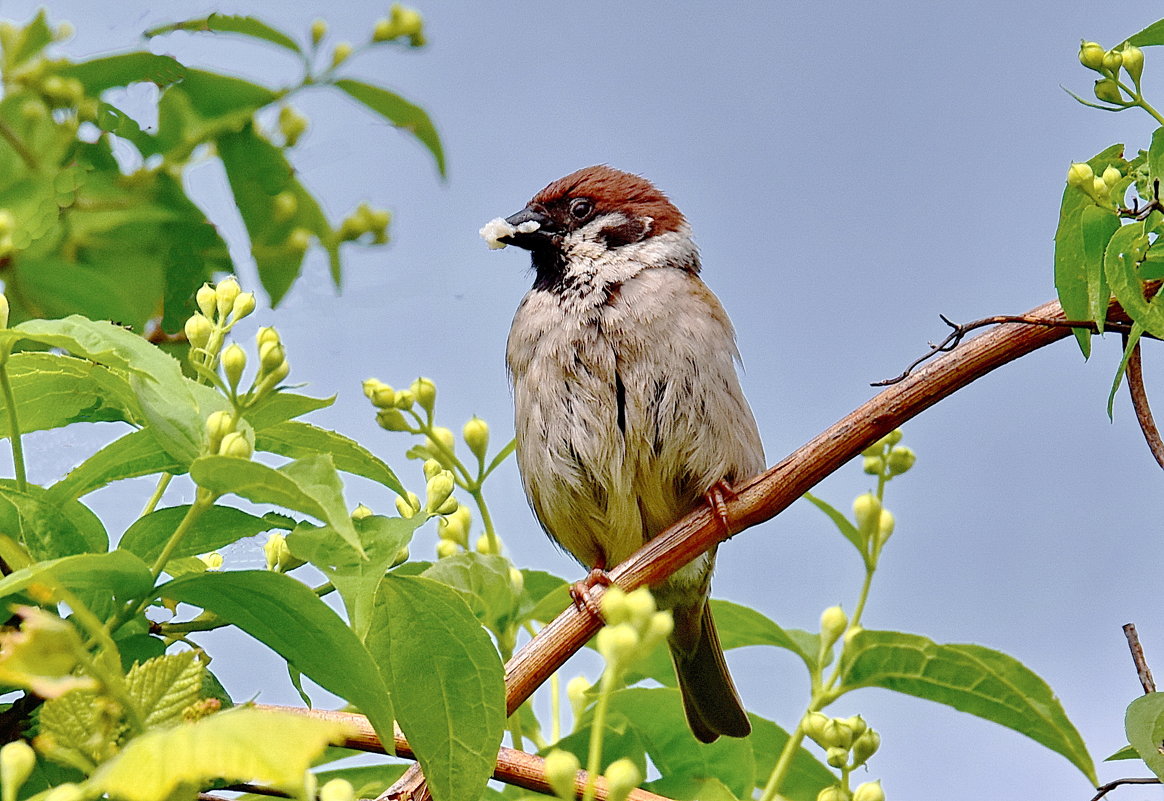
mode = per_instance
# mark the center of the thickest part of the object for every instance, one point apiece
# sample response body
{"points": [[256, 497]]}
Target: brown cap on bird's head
{"points": [[610, 190]]}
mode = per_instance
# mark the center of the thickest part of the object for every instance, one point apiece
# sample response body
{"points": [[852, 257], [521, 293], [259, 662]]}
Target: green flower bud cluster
{"points": [[453, 529], [61, 92], [634, 625], [219, 308], [439, 498], [278, 555], [7, 227], [1097, 187], [401, 23], [848, 742], [875, 522], [292, 125], [366, 220], [887, 453], [1108, 64]]}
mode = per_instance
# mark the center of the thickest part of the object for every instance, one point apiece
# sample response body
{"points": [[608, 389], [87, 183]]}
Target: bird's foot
{"points": [[716, 498], [581, 591]]}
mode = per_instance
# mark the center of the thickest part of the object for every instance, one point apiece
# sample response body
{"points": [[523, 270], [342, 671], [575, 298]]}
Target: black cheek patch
{"points": [[627, 233]]}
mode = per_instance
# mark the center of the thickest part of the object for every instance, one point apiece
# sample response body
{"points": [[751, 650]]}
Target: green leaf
{"points": [[47, 527], [258, 173], [52, 391], [805, 779], [222, 23], [117, 573], [355, 577], [278, 407], [1152, 35], [1070, 256], [297, 439], [1144, 724], [1120, 263], [1156, 156], [656, 713], [368, 781], [399, 112], [970, 678], [33, 38], [215, 528], [243, 744], [1098, 226], [1127, 752], [292, 621], [1130, 346], [448, 679], [165, 686], [99, 74], [850, 532], [135, 454], [310, 486], [483, 582], [224, 98]]}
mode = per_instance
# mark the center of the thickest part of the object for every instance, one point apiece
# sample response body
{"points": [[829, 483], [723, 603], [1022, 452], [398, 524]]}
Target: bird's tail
{"points": [[710, 700]]}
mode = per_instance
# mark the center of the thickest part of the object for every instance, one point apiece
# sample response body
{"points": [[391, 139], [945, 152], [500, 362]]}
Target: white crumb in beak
{"points": [[498, 227]]}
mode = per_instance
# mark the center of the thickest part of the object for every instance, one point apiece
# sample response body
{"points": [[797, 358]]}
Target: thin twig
{"points": [[960, 330], [1104, 789], [1142, 669], [1135, 374]]}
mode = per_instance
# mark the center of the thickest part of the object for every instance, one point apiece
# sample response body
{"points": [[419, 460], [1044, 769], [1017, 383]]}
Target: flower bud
{"points": [[659, 627], [244, 304], [318, 31], [64, 31], [424, 390], [272, 547], [235, 444], [516, 580], [271, 356], [198, 330], [218, 425], [852, 632], [1080, 175], [1100, 190], [885, 526], [561, 769], [622, 776], [401, 557], [384, 30], [1112, 61], [337, 790], [476, 434], [1108, 91], [640, 606], [17, 759], [485, 545], [449, 506], [407, 507], [615, 609], [431, 468], [857, 724], [1112, 176], [225, 292], [869, 791], [576, 692], [900, 459], [438, 490], [292, 124], [455, 527], [299, 240], [207, 300], [447, 548], [836, 733], [65, 792], [867, 511], [286, 204], [1091, 54], [445, 437], [234, 361], [1133, 58], [833, 622], [618, 644], [833, 792], [212, 560], [342, 53], [361, 512], [266, 334], [837, 757], [813, 726], [865, 746], [404, 399], [873, 465], [391, 420]]}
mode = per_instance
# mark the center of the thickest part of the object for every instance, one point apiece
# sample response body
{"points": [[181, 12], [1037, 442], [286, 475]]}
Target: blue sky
{"points": [[850, 171]]}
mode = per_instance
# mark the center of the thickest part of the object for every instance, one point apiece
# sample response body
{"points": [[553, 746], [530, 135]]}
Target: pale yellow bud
{"points": [[361, 512], [476, 434], [516, 580], [837, 757], [1099, 189], [865, 746], [234, 361], [618, 644], [622, 776], [1108, 91], [813, 726], [867, 511], [218, 425], [431, 468], [392, 420], [445, 437], [271, 356], [577, 689], [446, 548], [266, 334], [244, 304], [286, 204], [404, 399], [1133, 60], [857, 724], [438, 490], [17, 759], [1112, 61], [407, 507], [4, 309], [885, 526], [1091, 54], [318, 31], [225, 292], [485, 545], [383, 31], [213, 560], [64, 31], [900, 459], [1112, 176], [869, 791], [271, 548], [455, 527], [659, 627], [342, 53], [836, 734], [207, 300], [449, 506], [337, 790], [235, 444], [873, 465], [1080, 175], [292, 125], [424, 390], [640, 606], [833, 792], [299, 240], [833, 622], [198, 330], [561, 769], [615, 609]]}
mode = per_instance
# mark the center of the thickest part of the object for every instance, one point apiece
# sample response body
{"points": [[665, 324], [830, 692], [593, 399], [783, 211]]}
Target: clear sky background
{"points": [[851, 170]]}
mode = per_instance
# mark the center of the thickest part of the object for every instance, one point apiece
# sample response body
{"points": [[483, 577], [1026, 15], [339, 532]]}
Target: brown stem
{"points": [[1138, 659], [1104, 789], [1135, 374]]}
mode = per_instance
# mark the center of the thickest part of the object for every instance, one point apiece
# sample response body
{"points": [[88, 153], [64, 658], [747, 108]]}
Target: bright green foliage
{"points": [[118, 238]]}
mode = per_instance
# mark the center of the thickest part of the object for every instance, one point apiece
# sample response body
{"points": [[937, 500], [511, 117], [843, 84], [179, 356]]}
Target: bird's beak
{"points": [[532, 229]]}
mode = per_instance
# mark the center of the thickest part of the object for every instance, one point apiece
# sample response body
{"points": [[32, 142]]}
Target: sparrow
{"points": [[628, 408]]}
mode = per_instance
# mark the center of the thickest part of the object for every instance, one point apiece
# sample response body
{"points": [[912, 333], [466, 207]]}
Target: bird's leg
{"points": [[716, 499], [580, 591]]}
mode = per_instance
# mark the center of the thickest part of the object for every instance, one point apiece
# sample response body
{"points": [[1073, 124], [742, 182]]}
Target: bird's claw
{"points": [[580, 592], [716, 498]]}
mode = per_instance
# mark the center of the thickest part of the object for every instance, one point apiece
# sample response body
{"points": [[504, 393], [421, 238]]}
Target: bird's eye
{"points": [[581, 208]]}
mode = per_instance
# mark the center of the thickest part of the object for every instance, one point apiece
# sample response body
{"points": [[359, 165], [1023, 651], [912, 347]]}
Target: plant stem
{"points": [[18, 145], [13, 428], [159, 490], [597, 733], [784, 763], [203, 500]]}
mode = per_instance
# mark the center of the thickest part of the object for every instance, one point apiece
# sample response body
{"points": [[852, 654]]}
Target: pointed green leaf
{"points": [[850, 532], [281, 406], [1152, 35], [215, 528], [117, 573], [400, 112], [297, 439], [52, 390], [970, 678], [1125, 251], [483, 582], [292, 621], [1098, 225], [1127, 752], [1144, 725], [224, 23], [243, 744], [448, 680], [1132, 343], [165, 686], [47, 527], [99, 74], [135, 454]]}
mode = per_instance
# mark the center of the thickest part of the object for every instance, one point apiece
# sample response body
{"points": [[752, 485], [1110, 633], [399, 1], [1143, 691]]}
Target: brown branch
{"points": [[1104, 789], [513, 767], [1142, 669], [1135, 374]]}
